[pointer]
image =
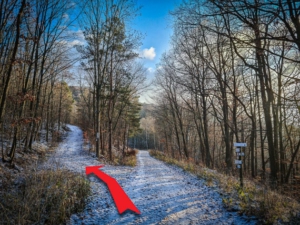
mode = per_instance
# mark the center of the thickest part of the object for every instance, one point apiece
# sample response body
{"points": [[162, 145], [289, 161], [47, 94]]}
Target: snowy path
{"points": [[164, 194]]}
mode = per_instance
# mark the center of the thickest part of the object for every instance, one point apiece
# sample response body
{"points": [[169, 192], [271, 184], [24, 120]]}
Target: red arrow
{"points": [[121, 199]]}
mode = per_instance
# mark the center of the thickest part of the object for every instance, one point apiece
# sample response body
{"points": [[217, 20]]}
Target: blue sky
{"points": [[155, 24]]}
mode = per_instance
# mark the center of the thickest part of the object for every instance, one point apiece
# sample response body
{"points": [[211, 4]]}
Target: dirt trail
{"points": [[164, 194]]}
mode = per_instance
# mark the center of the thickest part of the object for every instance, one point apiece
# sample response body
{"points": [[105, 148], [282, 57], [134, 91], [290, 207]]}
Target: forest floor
{"points": [[164, 194]]}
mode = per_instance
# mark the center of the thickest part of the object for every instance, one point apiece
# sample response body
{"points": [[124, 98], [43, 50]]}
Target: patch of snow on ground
{"points": [[164, 194]]}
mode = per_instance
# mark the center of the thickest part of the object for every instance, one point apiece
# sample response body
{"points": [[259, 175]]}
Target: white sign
{"points": [[238, 166], [240, 144], [237, 150], [241, 154], [238, 162], [98, 135]]}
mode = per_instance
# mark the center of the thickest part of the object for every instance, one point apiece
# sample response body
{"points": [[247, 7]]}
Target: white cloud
{"points": [[76, 38], [72, 5], [79, 34], [148, 53], [150, 70], [70, 44], [66, 16], [75, 42]]}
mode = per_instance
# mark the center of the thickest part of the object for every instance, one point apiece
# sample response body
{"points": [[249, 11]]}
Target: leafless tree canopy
{"points": [[37, 63], [232, 75]]}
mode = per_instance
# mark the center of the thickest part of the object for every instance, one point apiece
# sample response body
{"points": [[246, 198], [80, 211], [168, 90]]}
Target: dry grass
{"points": [[44, 197], [130, 158], [255, 200]]}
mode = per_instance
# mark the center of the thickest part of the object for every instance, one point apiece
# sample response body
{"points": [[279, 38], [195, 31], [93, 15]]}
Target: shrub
{"points": [[130, 158], [44, 197]]}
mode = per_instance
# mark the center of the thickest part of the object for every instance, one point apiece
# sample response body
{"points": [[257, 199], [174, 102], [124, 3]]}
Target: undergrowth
{"points": [[255, 200], [44, 197], [129, 158]]}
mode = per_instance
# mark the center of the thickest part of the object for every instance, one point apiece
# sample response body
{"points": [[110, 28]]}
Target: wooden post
{"points": [[239, 162], [241, 170]]}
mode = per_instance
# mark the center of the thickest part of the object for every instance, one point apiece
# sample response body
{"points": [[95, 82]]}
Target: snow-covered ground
{"points": [[164, 194]]}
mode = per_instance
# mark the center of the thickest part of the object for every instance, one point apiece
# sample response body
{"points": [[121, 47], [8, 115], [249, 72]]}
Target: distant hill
{"points": [[76, 93], [146, 110]]}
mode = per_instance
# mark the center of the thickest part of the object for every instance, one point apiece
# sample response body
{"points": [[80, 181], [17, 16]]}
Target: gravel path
{"points": [[164, 194]]}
